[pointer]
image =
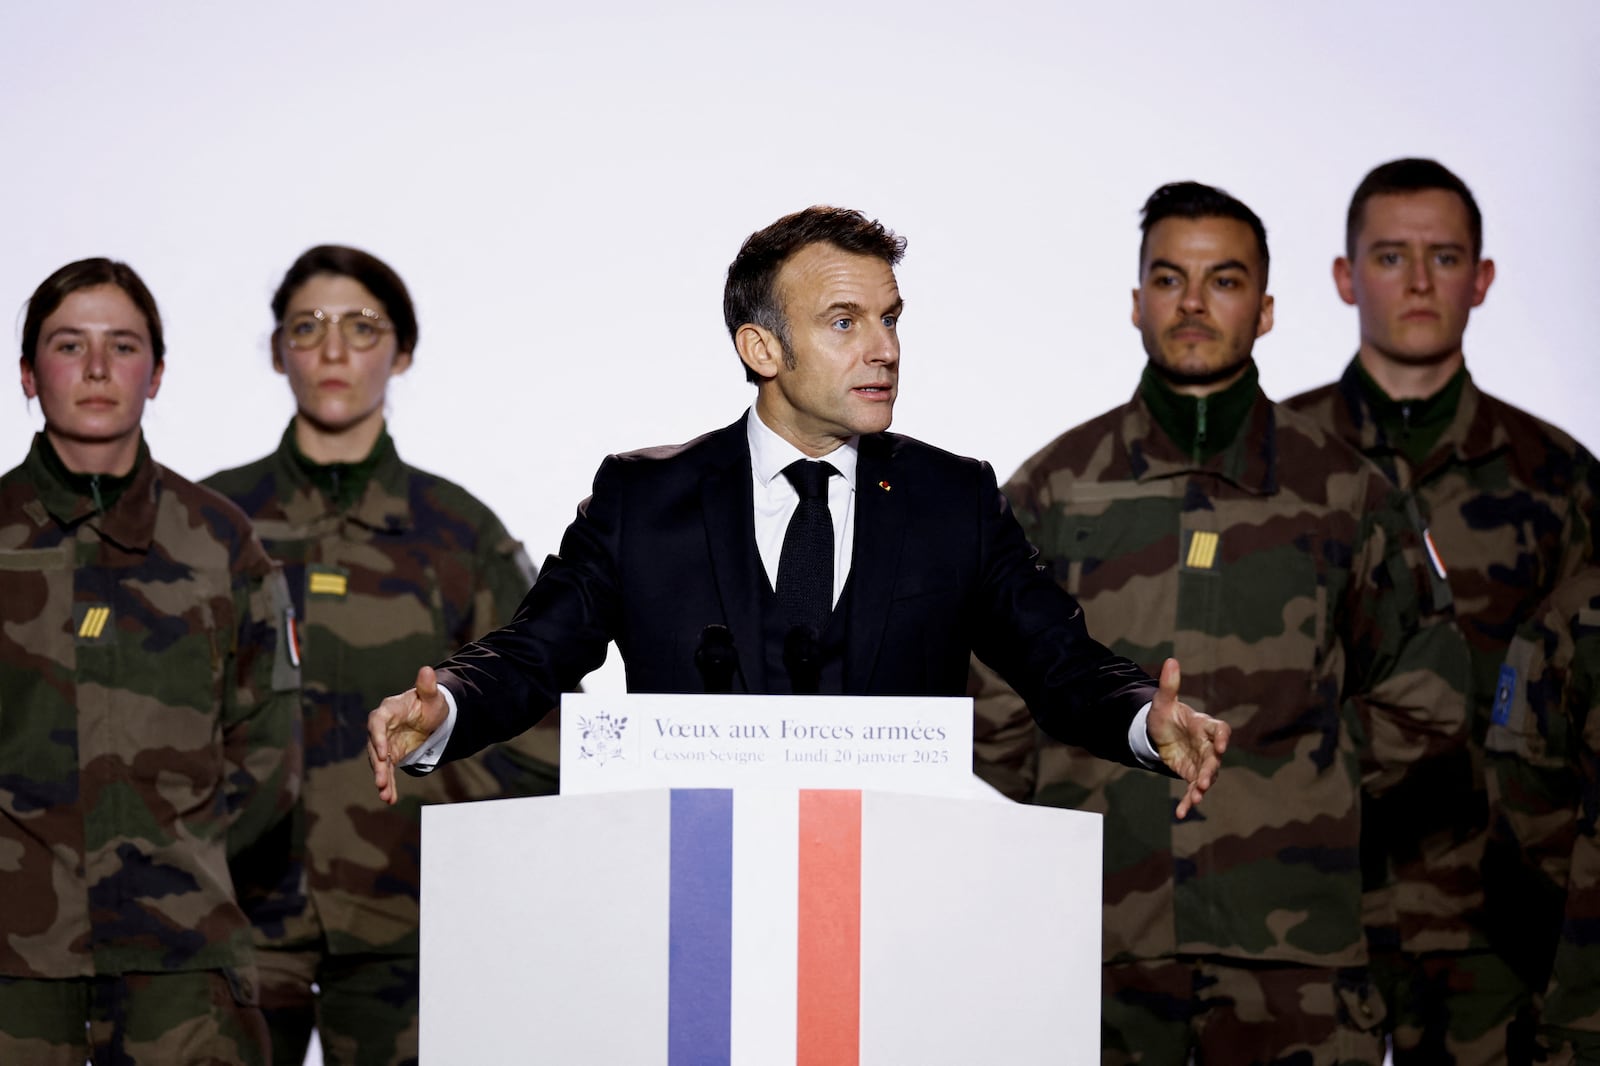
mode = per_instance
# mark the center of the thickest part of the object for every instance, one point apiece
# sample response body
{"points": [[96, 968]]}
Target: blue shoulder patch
{"points": [[1504, 691]]}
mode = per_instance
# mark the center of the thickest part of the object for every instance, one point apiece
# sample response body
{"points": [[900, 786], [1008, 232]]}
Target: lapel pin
{"points": [[884, 485]]}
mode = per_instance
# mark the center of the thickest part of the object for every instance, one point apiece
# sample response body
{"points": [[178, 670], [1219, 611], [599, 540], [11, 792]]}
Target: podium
{"points": [[703, 894]]}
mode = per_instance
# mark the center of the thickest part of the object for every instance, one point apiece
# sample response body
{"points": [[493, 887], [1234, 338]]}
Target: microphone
{"points": [[717, 659], [802, 658]]}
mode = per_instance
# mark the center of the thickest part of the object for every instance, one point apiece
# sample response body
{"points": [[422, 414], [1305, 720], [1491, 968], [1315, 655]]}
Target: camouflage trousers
{"points": [[363, 1007], [1453, 1008], [1230, 1012], [204, 1017]]}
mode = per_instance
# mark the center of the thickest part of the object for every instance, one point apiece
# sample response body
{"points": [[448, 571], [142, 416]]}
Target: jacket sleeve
{"points": [[1543, 763], [1004, 737], [1582, 532], [1031, 632], [1572, 1001], [512, 677], [1530, 752], [525, 765]]}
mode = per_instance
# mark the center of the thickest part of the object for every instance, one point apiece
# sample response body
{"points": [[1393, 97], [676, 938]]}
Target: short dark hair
{"points": [[1401, 176], [89, 274], [750, 294], [1192, 200], [376, 276]]}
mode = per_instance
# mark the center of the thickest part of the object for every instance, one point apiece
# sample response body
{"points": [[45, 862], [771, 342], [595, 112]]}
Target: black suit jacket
{"points": [[666, 546]]}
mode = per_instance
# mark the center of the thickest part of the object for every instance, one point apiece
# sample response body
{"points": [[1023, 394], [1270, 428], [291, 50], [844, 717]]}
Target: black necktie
{"points": [[805, 567]]}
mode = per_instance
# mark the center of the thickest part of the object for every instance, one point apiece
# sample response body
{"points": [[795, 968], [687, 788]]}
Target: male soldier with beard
{"points": [[1204, 521], [1510, 505]]}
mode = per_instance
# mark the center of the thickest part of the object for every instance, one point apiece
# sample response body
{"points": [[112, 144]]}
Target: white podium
{"points": [[752, 918]]}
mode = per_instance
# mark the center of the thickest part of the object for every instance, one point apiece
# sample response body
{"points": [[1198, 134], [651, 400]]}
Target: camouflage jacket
{"points": [[1278, 573], [147, 726], [410, 571], [1510, 504], [1543, 748]]}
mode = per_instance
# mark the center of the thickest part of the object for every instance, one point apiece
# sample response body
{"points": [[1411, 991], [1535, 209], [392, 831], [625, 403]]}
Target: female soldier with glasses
{"points": [[386, 564]]}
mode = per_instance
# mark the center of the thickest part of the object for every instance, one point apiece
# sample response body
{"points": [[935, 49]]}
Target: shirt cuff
{"points": [[1138, 738], [425, 757]]}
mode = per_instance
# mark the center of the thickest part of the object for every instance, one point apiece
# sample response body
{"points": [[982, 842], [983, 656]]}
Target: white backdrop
{"points": [[562, 186], [563, 190]]}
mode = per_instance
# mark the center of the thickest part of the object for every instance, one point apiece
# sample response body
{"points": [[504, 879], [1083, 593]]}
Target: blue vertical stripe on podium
{"points": [[700, 938]]}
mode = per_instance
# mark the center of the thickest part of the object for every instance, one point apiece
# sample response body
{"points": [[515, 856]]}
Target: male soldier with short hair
{"points": [[1544, 799], [1509, 503], [1203, 521]]}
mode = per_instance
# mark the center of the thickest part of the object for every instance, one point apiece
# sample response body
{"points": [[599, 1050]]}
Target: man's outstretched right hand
{"points": [[399, 726]]}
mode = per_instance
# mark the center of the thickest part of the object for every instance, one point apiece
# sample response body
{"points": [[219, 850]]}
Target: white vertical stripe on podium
{"points": [[766, 861]]}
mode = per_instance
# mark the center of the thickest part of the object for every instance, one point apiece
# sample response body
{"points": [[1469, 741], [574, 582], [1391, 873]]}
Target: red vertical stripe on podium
{"points": [[828, 1030]]}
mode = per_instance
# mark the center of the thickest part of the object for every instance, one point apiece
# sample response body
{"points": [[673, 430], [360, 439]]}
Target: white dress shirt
{"points": [[776, 499]]}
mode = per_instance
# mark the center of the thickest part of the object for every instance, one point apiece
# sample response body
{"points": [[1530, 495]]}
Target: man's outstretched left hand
{"points": [[1189, 742]]}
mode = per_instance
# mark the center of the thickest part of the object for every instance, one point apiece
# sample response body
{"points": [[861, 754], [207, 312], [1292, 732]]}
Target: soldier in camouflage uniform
{"points": [[1203, 521], [385, 563], [148, 736], [1543, 748], [1510, 504]]}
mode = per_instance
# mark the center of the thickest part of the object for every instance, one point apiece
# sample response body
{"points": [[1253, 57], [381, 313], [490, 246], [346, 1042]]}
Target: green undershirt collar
{"points": [[343, 483], [1201, 425], [1413, 426], [104, 489]]}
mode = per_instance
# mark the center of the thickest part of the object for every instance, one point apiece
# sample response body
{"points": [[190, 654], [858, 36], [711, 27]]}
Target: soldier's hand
{"points": [[399, 726], [1189, 742]]}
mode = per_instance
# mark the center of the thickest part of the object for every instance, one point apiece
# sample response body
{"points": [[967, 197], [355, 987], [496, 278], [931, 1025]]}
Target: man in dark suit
{"points": [[740, 562]]}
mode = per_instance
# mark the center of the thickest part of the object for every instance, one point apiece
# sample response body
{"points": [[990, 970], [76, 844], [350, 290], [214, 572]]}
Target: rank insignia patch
{"points": [[1202, 550], [92, 622], [327, 583]]}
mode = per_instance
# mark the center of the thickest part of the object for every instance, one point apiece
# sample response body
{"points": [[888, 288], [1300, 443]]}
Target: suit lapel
{"points": [[728, 504], [875, 556]]}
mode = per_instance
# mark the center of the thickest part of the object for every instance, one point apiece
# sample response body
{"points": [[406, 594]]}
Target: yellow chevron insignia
{"points": [[1202, 550], [94, 622], [324, 583]]}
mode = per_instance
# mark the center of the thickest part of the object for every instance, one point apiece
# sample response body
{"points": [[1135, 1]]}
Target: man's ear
{"points": [[1264, 317], [1482, 279], [1344, 280], [759, 349]]}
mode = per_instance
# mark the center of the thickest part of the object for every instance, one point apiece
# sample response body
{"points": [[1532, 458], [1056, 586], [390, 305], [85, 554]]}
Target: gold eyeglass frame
{"points": [[326, 319]]}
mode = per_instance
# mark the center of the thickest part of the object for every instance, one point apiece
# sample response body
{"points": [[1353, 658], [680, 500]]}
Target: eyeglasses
{"points": [[361, 329]]}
